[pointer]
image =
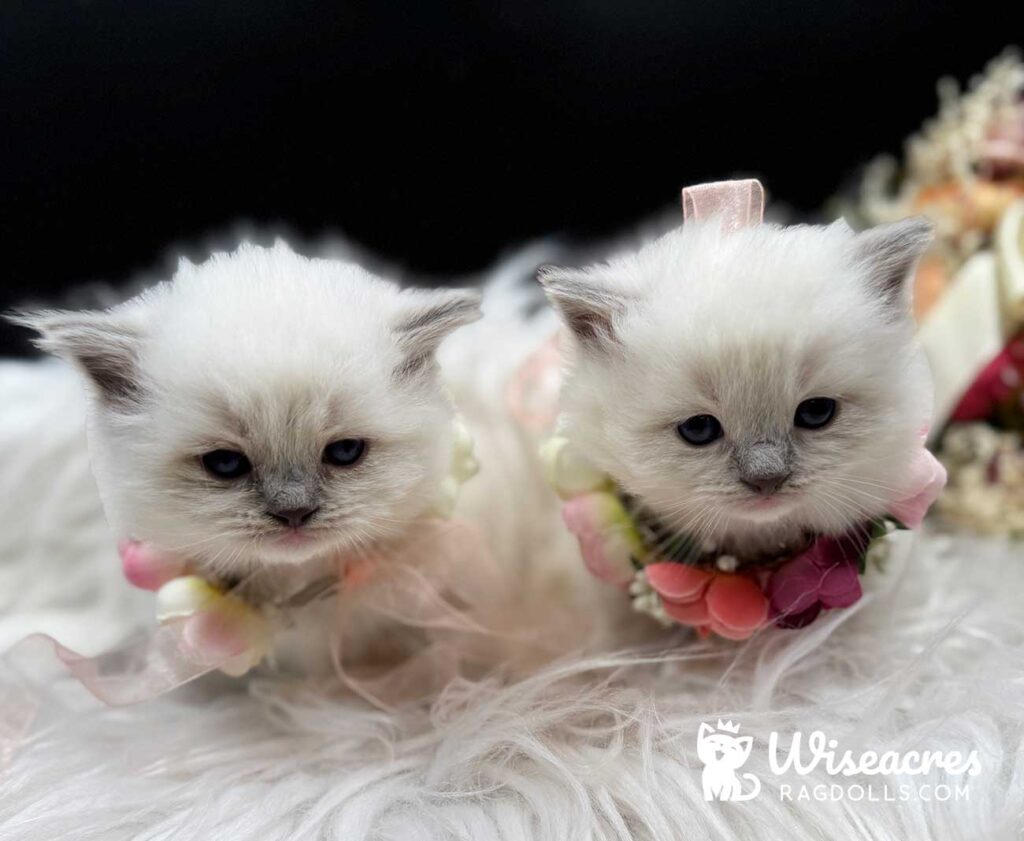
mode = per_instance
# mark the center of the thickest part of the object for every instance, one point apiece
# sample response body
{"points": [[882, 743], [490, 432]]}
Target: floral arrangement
{"points": [[673, 579], [963, 170], [982, 449]]}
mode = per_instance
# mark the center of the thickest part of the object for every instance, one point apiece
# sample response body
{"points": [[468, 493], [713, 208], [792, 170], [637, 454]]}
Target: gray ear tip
{"points": [[429, 316], [548, 273], [34, 320], [914, 231], [470, 297], [37, 320], [472, 300], [468, 303], [888, 254], [19, 318], [919, 227], [910, 237]]}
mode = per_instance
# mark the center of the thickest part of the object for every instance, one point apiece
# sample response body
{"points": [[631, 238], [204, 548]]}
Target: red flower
{"points": [[732, 605], [824, 576], [997, 383]]}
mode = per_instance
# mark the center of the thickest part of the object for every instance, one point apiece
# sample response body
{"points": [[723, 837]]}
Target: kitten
{"points": [[749, 387], [264, 413]]}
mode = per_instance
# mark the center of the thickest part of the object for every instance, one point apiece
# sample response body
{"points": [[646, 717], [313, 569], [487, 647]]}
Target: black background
{"points": [[437, 135]]}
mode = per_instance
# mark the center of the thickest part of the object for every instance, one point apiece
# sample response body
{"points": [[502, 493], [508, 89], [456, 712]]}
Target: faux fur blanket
{"points": [[931, 660]]}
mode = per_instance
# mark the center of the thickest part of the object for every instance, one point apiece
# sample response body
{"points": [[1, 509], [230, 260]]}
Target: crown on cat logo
{"points": [[728, 726]]}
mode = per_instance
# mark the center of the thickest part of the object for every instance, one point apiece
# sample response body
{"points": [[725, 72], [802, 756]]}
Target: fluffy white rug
{"points": [[930, 660]]}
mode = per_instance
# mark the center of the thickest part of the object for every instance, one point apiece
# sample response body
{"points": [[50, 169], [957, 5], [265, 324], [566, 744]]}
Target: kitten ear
{"points": [[427, 318], [103, 344], [704, 730], [587, 307], [889, 253]]}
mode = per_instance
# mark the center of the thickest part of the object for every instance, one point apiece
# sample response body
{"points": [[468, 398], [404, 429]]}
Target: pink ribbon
{"points": [[152, 664], [531, 396], [740, 204], [435, 603]]}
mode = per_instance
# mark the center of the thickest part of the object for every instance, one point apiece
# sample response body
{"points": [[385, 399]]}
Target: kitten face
{"points": [[266, 408], [753, 384]]}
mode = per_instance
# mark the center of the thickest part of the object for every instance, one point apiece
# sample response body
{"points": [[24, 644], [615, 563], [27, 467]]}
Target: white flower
{"points": [[462, 468], [567, 470]]}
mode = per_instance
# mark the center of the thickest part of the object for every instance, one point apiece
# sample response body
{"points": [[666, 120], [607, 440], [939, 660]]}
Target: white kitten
{"points": [[264, 411], [694, 360]]}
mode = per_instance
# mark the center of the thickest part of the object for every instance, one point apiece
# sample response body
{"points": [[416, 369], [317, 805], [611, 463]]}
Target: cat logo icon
{"points": [[723, 753]]}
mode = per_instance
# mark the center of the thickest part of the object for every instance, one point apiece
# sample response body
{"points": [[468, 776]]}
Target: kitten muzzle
{"points": [[765, 466]]}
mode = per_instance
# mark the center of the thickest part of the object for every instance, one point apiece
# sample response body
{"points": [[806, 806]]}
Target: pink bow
{"points": [[740, 204]]}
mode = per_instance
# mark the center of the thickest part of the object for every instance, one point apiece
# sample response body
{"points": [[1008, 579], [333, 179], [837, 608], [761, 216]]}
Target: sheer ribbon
{"points": [[165, 657], [740, 204], [148, 665]]}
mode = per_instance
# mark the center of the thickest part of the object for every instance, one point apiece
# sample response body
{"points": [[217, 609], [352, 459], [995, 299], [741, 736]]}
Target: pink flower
{"points": [[217, 628], [216, 636], [731, 605], [825, 576], [927, 479], [608, 540], [147, 568]]}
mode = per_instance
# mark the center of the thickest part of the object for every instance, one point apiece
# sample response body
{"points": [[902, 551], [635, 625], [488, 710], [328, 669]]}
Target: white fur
{"points": [[744, 326], [58, 562], [528, 587], [603, 747], [597, 747]]}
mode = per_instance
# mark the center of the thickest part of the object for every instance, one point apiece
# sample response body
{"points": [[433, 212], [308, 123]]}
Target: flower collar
{"points": [[218, 627], [683, 582]]}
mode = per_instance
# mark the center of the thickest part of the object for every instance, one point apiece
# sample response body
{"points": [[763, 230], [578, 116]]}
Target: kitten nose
{"points": [[766, 485], [764, 466], [292, 517]]}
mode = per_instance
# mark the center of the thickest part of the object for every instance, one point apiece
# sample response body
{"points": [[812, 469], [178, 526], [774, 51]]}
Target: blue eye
{"points": [[700, 430], [226, 464], [815, 413], [345, 453]]}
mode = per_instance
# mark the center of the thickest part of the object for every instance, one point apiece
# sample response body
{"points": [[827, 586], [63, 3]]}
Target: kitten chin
{"points": [[753, 386]]}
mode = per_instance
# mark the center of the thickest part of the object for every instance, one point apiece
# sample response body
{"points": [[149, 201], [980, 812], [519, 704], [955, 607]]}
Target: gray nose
{"points": [[766, 485], [292, 517], [764, 466]]}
